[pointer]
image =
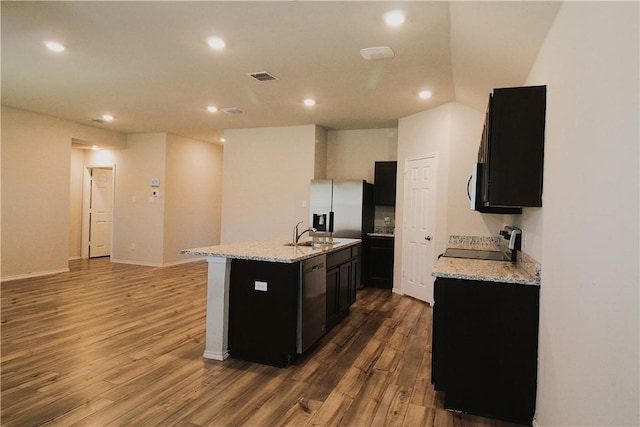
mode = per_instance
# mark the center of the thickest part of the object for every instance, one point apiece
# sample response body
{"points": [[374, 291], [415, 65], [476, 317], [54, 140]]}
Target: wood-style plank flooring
{"points": [[119, 345]]}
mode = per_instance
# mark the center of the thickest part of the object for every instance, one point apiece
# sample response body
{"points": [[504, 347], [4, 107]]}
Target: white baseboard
{"points": [[129, 262], [212, 355], [183, 261], [535, 423], [34, 274], [156, 264], [73, 258]]}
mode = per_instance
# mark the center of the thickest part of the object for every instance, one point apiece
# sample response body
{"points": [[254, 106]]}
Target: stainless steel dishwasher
{"points": [[312, 302]]}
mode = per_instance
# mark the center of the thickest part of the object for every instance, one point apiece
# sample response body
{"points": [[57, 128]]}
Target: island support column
{"points": [[219, 276]]}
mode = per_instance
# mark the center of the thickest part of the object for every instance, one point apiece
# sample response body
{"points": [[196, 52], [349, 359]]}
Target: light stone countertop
{"points": [[483, 270], [525, 271], [380, 234], [272, 250]]}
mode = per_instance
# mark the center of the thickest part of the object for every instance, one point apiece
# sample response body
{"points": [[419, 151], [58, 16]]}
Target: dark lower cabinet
{"points": [[485, 347], [263, 322], [379, 262], [343, 277], [263, 304]]}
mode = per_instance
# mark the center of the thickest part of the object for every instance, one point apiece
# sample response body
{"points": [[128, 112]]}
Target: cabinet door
{"points": [[333, 281], [485, 342], [344, 292], [516, 147], [385, 183], [355, 279], [380, 262]]}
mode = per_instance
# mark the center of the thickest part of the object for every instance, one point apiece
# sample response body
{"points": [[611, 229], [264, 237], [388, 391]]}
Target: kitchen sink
{"points": [[311, 244], [476, 254], [308, 243]]}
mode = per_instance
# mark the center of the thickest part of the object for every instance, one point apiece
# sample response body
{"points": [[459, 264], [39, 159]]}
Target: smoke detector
{"points": [[374, 53], [232, 110]]}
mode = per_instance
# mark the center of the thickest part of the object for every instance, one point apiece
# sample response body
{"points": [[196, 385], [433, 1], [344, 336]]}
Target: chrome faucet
{"points": [[296, 235]]}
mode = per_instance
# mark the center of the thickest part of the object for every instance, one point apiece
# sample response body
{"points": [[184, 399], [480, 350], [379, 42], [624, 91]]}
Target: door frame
{"points": [[86, 203], [405, 198]]}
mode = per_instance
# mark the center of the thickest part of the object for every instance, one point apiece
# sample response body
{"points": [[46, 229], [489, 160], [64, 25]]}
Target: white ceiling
{"points": [[147, 62]]}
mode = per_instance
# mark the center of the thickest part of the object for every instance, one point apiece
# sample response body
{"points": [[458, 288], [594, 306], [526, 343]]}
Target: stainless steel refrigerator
{"points": [[341, 208]]}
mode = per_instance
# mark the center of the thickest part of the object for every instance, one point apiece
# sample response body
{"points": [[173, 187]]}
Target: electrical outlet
{"points": [[260, 286], [133, 246]]}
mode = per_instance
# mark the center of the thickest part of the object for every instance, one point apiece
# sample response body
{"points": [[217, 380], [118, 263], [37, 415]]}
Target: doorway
{"points": [[98, 208], [418, 234]]}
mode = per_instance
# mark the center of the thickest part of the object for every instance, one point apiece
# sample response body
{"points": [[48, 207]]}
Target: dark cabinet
{"points": [[333, 286], [263, 321], [385, 183], [512, 148], [379, 262], [485, 347], [343, 277]]}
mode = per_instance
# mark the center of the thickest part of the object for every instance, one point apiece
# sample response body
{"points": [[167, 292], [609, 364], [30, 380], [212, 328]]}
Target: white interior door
{"points": [[100, 212], [418, 228]]}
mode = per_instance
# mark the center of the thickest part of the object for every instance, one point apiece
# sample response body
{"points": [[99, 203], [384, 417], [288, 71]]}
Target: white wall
{"points": [[138, 216], [320, 166], [185, 214], [420, 134], [589, 320], [75, 203], [453, 132], [193, 196], [36, 162], [266, 179], [351, 154]]}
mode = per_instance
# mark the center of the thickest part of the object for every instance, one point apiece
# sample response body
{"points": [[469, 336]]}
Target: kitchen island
{"points": [[270, 258], [485, 334]]}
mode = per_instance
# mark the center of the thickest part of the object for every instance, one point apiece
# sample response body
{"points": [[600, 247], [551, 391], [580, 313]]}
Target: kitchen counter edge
{"points": [[483, 270], [272, 250]]}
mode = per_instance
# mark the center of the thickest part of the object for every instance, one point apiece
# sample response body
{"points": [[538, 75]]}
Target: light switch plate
{"points": [[260, 286]]}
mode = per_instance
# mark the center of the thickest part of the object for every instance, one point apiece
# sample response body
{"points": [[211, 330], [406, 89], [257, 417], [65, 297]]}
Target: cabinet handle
{"points": [[428, 238]]}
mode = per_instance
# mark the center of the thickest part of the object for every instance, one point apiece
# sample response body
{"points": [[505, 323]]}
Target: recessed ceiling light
{"points": [[309, 102], [394, 18], [216, 43], [107, 117], [54, 46], [222, 139], [212, 109], [425, 94]]}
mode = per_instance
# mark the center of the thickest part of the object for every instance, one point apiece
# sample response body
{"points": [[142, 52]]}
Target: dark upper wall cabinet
{"points": [[385, 183], [512, 147]]}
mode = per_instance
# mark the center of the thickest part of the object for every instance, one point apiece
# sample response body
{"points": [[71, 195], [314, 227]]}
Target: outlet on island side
{"points": [[260, 286]]}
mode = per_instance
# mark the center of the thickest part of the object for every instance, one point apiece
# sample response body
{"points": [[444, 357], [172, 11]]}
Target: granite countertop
{"points": [[478, 269], [525, 271], [380, 234], [272, 250]]}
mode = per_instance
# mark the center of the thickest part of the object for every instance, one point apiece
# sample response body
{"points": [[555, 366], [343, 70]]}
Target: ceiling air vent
{"points": [[232, 110], [263, 76]]}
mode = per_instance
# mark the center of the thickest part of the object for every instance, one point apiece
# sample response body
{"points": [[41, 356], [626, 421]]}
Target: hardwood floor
{"points": [[120, 345]]}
